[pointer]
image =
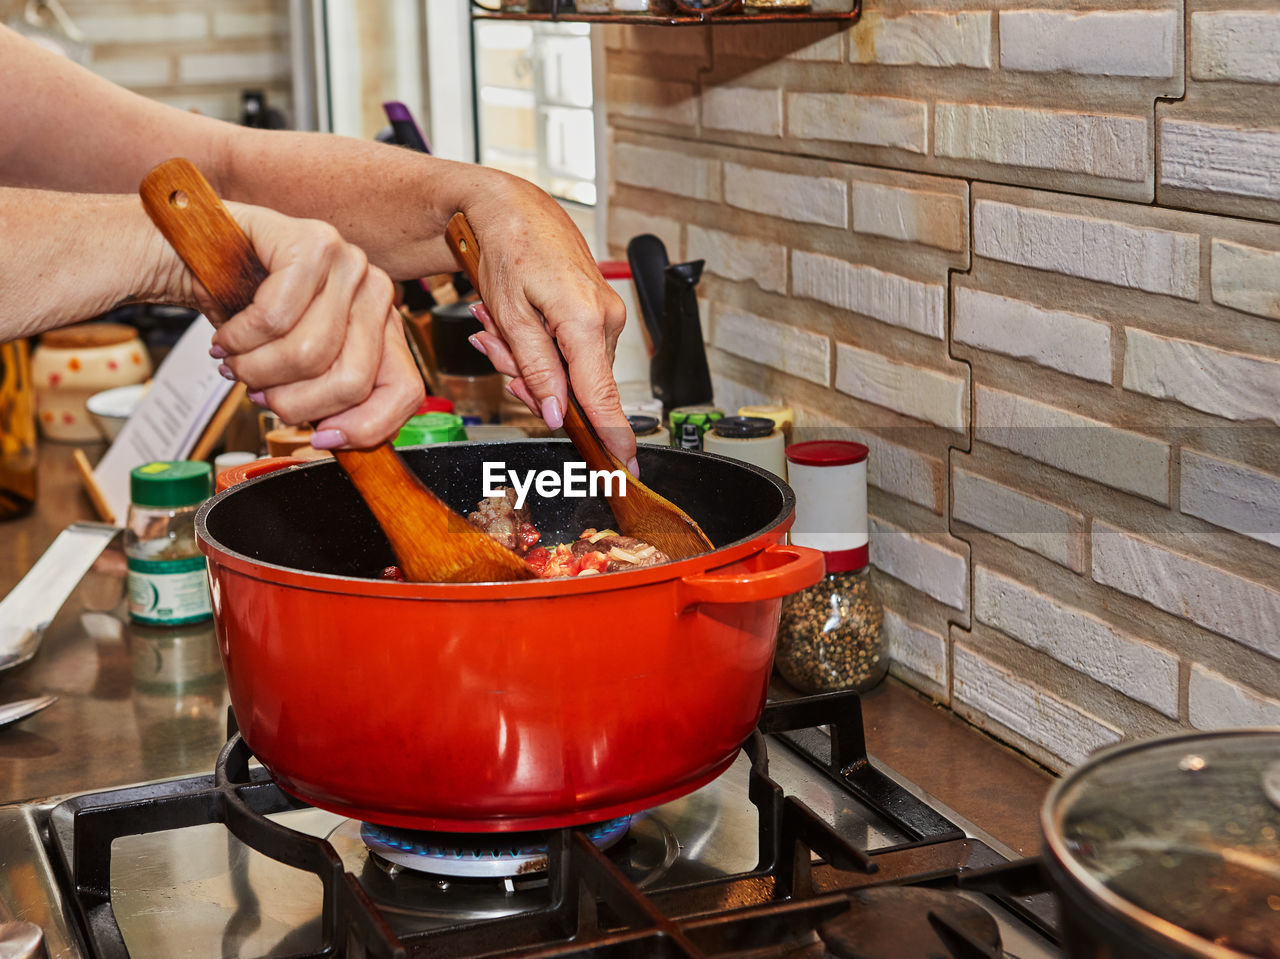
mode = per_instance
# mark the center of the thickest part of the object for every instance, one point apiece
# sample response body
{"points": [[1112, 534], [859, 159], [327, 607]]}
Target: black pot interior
{"points": [[311, 518]]}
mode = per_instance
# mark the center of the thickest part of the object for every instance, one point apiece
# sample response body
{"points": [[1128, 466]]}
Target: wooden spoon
{"points": [[431, 542], [639, 511]]}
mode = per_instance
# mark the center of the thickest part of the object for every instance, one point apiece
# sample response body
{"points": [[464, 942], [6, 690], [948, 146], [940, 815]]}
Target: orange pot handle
{"points": [[786, 569]]}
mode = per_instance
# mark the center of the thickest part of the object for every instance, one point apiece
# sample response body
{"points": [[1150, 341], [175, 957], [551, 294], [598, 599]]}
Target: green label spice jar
{"points": [[831, 636], [168, 585]]}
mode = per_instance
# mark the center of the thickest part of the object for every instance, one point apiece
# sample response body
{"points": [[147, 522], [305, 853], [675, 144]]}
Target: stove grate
{"points": [[591, 909]]}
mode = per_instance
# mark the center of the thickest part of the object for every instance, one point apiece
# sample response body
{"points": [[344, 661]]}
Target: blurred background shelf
{"points": [[670, 17]]}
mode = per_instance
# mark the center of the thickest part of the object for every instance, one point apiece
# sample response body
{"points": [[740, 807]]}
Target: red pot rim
{"points": [[479, 592]]}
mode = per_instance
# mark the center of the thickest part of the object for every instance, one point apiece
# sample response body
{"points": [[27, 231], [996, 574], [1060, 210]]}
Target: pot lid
{"points": [[1186, 829]]}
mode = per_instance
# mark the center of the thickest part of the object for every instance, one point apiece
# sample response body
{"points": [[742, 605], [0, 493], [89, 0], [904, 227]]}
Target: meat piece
{"points": [[595, 551], [498, 517], [623, 552]]}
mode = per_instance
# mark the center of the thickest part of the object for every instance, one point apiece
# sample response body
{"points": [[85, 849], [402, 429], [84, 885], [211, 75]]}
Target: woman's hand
{"points": [[322, 341], [544, 297]]}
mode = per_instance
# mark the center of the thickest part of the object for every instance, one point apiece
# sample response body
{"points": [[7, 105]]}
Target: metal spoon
{"points": [[14, 712]]}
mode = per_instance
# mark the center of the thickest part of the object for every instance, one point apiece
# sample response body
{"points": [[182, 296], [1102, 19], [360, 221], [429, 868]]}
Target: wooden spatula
{"points": [[432, 543], [640, 511]]}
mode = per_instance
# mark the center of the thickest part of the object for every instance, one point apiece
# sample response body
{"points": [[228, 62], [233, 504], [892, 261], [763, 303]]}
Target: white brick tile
{"points": [[1195, 374], [233, 67], [780, 345], [143, 27], [1242, 609], [901, 471], [245, 23], [883, 296], [916, 216], [925, 37], [1235, 45], [625, 223], [854, 118], [922, 562], [664, 170], [1220, 159], [1031, 711], [1246, 278], [133, 72], [1215, 702], [1103, 145], [1232, 495], [1124, 662], [648, 99], [1076, 444], [738, 257], [743, 109], [1022, 519], [1070, 342], [1142, 258], [915, 391], [1119, 43], [920, 650], [805, 199]]}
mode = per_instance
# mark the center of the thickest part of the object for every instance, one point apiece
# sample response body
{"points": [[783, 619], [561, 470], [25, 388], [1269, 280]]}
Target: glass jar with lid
{"points": [[168, 584], [831, 636]]}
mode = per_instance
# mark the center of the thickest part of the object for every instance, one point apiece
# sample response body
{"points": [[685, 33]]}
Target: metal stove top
{"points": [[743, 867]]}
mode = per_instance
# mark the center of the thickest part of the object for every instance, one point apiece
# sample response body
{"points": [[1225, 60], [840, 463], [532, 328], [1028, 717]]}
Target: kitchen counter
{"points": [[140, 704]]}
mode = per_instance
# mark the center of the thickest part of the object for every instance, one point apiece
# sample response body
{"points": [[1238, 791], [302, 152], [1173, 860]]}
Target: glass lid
{"points": [[1187, 829]]}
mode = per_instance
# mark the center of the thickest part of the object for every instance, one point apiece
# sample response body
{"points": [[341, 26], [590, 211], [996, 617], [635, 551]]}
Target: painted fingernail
{"points": [[475, 341], [217, 352], [511, 391], [551, 414], [479, 311], [633, 467], [328, 439], [259, 397], [225, 372]]}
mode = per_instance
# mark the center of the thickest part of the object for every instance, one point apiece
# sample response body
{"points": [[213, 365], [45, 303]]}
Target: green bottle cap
{"points": [[167, 485], [430, 428]]}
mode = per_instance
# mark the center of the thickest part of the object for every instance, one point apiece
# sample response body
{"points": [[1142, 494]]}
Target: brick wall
{"points": [[1032, 258], [194, 54]]}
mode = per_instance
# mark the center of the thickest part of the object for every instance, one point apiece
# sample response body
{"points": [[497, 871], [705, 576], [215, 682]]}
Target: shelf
{"points": [[672, 18]]}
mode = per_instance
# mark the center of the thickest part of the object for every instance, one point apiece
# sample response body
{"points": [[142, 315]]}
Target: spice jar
{"points": [[690, 423], [831, 635], [648, 430], [749, 439], [168, 585], [465, 375]]}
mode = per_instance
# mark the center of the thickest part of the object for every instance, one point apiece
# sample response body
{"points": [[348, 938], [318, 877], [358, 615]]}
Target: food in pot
{"points": [[595, 551], [499, 517]]}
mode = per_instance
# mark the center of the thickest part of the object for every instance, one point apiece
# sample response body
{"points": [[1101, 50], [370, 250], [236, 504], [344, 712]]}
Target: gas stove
{"points": [[803, 848]]}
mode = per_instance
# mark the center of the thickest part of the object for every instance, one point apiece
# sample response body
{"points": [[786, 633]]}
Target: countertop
{"points": [[140, 704]]}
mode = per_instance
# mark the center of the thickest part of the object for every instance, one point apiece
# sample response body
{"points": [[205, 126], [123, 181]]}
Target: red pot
{"points": [[496, 706]]}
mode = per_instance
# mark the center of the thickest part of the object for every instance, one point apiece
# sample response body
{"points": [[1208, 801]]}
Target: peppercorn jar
{"points": [[167, 578], [831, 635]]}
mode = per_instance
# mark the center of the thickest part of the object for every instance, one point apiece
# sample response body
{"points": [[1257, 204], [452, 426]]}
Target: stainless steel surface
{"points": [[14, 712], [21, 940], [25, 613]]}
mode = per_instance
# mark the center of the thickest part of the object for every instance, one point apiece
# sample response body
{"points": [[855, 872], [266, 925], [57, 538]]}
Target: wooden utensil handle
{"points": [[191, 216], [462, 241]]}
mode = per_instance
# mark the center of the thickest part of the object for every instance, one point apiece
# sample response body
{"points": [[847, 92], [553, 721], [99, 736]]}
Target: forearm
{"points": [[391, 202], [71, 257]]}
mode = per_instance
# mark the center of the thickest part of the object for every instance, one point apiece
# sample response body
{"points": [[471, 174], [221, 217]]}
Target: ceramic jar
{"points": [[71, 364]]}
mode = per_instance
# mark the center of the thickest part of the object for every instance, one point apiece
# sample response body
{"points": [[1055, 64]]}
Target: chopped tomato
{"points": [[393, 572]]}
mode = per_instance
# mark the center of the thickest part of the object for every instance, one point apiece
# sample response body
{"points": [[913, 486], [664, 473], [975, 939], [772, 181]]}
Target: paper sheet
{"points": [[185, 393]]}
